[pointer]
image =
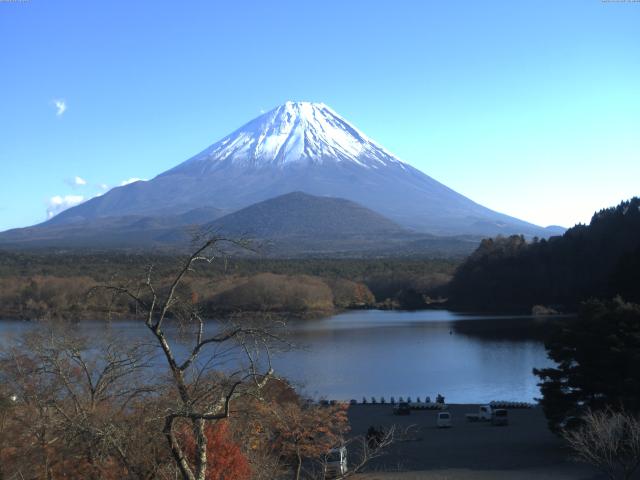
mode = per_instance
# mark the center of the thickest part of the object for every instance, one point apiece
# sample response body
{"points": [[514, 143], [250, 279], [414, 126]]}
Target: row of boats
{"points": [[439, 404]]}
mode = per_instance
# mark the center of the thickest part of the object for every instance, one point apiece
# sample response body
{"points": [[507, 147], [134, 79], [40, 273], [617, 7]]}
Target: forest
{"points": [[599, 260], [55, 285]]}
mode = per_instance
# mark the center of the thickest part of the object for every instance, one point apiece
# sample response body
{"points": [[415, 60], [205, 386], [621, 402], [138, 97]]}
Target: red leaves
{"points": [[225, 460]]}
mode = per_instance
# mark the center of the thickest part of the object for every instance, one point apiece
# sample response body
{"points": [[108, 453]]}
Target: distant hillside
{"points": [[291, 225], [598, 260], [104, 233], [302, 215], [298, 224]]}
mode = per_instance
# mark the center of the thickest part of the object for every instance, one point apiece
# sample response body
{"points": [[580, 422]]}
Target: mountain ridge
{"points": [[301, 147], [291, 225], [299, 214]]}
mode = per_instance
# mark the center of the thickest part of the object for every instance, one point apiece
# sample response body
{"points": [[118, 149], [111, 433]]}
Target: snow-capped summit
{"points": [[296, 132], [300, 147]]}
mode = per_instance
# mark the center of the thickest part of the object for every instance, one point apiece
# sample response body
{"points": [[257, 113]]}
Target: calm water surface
{"points": [[391, 353]]}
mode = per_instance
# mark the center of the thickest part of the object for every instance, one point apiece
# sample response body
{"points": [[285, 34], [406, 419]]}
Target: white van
{"points": [[485, 412], [443, 420]]}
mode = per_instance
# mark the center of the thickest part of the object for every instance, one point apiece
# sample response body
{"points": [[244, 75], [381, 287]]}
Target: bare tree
{"points": [[311, 433], [32, 427], [609, 440], [7, 400], [72, 402], [304, 433], [237, 361], [363, 450]]}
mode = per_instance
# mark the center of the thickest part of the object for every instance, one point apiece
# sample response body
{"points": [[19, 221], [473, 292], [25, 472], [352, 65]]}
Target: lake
{"points": [[466, 358]]}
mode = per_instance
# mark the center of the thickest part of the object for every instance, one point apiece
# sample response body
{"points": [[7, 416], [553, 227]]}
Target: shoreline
{"points": [[289, 315]]}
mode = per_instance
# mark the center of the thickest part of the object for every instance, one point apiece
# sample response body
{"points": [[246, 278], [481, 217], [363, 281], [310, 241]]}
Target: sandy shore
{"points": [[525, 449]]}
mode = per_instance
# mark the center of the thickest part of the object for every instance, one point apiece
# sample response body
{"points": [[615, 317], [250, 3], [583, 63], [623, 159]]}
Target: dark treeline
{"points": [[596, 357], [37, 285], [600, 260], [105, 265]]}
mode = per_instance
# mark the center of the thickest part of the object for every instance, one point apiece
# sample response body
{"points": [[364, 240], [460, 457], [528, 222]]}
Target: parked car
{"points": [[485, 413], [336, 463], [500, 417], [443, 420], [403, 408]]}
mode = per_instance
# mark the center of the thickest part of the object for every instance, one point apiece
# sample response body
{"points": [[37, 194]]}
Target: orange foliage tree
{"points": [[225, 460], [305, 432]]}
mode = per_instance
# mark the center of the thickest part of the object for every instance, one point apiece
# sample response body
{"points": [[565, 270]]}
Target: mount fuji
{"points": [[296, 147]]}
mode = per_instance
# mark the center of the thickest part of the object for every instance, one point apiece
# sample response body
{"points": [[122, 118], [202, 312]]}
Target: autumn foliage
{"points": [[225, 459], [63, 426]]}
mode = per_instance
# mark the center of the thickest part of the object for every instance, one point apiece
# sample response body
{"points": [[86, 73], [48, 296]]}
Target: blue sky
{"points": [[531, 108]]}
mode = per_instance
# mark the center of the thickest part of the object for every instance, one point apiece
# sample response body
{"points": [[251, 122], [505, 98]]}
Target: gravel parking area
{"points": [[469, 450]]}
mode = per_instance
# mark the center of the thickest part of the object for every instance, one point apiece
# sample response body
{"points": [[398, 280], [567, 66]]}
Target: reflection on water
{"points": [[390, 353]]}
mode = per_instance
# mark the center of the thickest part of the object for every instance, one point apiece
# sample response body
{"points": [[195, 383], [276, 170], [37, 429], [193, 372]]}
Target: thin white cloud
{"points": [[76, 181], [61, 106], [59, 203], [132, 180]]}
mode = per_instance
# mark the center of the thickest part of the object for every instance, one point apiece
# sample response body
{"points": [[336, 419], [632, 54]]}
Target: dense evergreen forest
{"points": [[596, 359], [599, 260]]}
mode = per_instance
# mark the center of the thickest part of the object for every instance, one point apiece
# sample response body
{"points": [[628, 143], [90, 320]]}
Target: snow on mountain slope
{"points": [[305, 147], [296, 132]]}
